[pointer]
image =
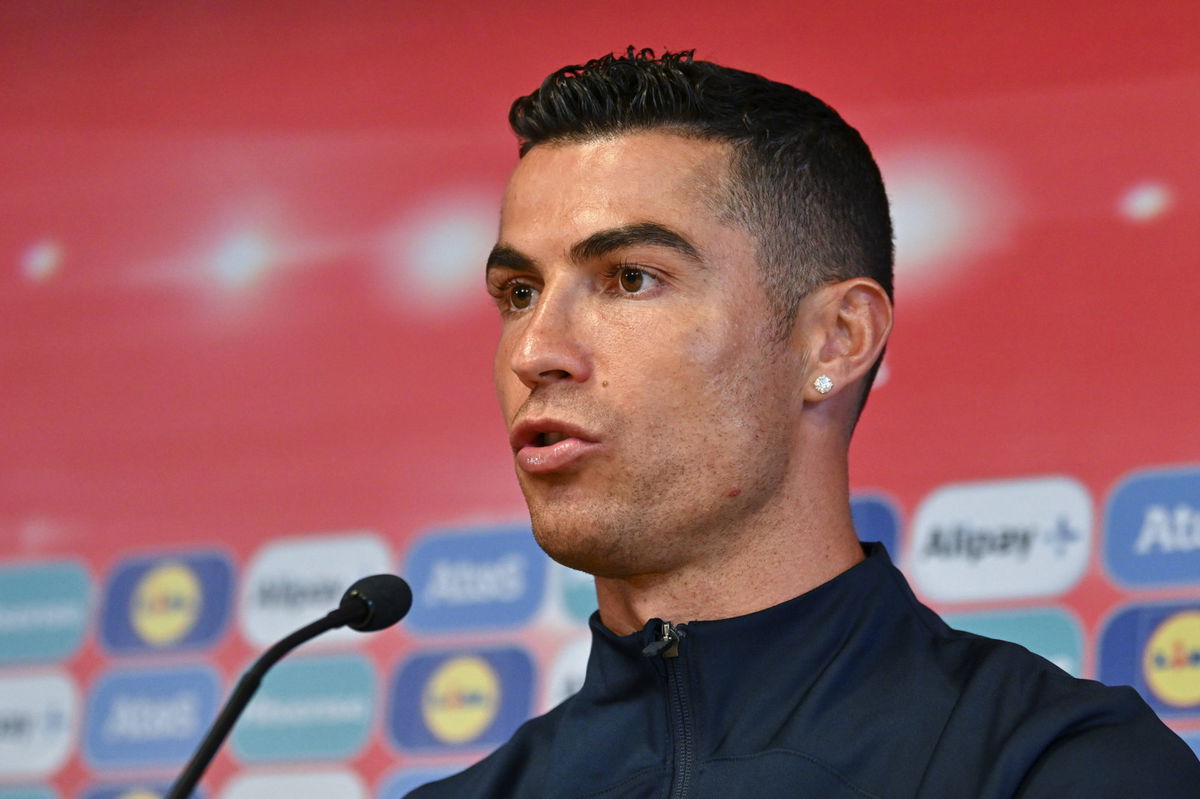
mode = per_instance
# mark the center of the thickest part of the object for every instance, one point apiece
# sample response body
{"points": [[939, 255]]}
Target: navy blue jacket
{"points": [[854, 689]]}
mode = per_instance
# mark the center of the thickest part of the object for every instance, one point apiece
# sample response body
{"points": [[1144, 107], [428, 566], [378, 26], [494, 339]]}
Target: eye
{"points": [[521, 296], [632, 279]]}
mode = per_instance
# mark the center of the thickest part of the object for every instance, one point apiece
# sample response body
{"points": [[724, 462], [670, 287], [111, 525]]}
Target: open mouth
{"points": [[548, 438]]}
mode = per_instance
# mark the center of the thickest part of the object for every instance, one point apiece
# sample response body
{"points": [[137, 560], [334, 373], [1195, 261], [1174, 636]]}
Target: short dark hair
{"points": [[804, 183]]}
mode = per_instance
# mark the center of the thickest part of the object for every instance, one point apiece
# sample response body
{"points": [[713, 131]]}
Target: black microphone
{"points": [[373, 603]]}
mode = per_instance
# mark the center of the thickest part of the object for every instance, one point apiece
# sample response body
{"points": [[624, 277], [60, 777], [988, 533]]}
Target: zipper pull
{"points": [[667, 644]]}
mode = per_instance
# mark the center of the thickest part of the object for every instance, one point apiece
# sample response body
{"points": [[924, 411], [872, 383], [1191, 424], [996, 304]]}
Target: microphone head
{"points": [[378, 601]]}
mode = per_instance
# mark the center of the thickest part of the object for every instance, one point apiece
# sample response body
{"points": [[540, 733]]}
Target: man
{"points": [[694, 276]]}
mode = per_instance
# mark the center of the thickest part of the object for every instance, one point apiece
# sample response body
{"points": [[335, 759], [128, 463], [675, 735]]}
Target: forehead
{"points": [[572, 188]]}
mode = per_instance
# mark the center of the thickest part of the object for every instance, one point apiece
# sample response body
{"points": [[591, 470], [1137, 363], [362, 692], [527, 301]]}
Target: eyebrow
{"points": [[600, 244], [649, 234]]}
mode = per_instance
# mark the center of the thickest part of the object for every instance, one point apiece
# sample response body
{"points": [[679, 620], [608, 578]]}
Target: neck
{"points": [[802, 541]]}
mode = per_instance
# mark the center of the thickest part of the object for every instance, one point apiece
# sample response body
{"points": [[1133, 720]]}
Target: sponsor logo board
{"points": [[309, 708], [1152, 528], [43, 611], [27, 793], [1193, 740], [38, 718], [149, 717], [460, 700], [566, 672], [292, 581], [399, 784], [876, 519], [296, 785], [475, 579], [1002, 539], [135, 791], [169, 602], [1156, 649], [1052, 633]]}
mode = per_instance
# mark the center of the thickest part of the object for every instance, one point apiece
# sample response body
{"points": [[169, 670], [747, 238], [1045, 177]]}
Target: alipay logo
{"points": [[452, 701], [149, 717], [876, 519], [1152, 528], [1001, 540], [475, 579], [43, 611], [37, 723], [292, 581], [1050, 632], [169, 602], [1156, 649], [309, 708]]}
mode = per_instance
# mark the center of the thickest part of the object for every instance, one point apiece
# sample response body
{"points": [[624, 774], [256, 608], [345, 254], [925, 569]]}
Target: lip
{"points": [[532, 458]]}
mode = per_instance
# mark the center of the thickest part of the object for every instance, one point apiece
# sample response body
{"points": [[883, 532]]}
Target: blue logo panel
{"points": [[1152, 528], [401, 783], [1156, 649], [1193, 740], [149, 717], [472, 580], [171, 602], [460, 701], [43, 611], [1050, 632], [876, 519], [319, 707]]}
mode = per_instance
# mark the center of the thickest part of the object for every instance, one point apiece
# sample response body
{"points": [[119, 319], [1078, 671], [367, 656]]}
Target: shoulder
{"points": [[1048, 734], [515, 769]]}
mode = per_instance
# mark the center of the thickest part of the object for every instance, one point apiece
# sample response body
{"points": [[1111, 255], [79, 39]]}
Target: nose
{"points": [[548, 344]]}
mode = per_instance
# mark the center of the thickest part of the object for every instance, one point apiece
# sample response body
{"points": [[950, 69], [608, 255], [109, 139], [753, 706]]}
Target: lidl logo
{"points": [[460, 700], [149, 717], [309, 708], [292, 581], [1156, 648], [38, 718], [876, 519], [172, 602], [1003, 539], [1052, 633], [475, 579], [1171, 660], [43, 611], [296, 785], [1152, 528]]}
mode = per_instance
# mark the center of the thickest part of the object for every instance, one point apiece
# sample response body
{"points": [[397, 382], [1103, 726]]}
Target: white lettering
{"points": [[272, 712], [143, 718], [43, 615], [465, 582], [1167, 531]]}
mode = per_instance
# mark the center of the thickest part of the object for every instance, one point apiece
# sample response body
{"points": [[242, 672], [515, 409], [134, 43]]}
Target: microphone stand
{"points": [[247, 685]]}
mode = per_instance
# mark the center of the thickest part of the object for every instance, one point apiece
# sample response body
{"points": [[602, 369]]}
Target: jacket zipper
{"points": [[667, 647]]}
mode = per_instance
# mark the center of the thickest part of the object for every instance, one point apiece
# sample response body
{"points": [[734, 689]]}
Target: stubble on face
{"points": [[684, 389]]}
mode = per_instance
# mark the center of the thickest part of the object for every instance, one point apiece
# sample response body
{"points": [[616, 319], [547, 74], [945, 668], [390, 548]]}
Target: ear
{"points": [[845, 328]]}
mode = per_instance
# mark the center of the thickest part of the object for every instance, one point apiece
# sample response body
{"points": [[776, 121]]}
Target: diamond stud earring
{"points": [[823, 385]]}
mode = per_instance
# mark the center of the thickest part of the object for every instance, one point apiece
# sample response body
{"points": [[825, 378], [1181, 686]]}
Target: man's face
{"points": [[649, 410]]}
